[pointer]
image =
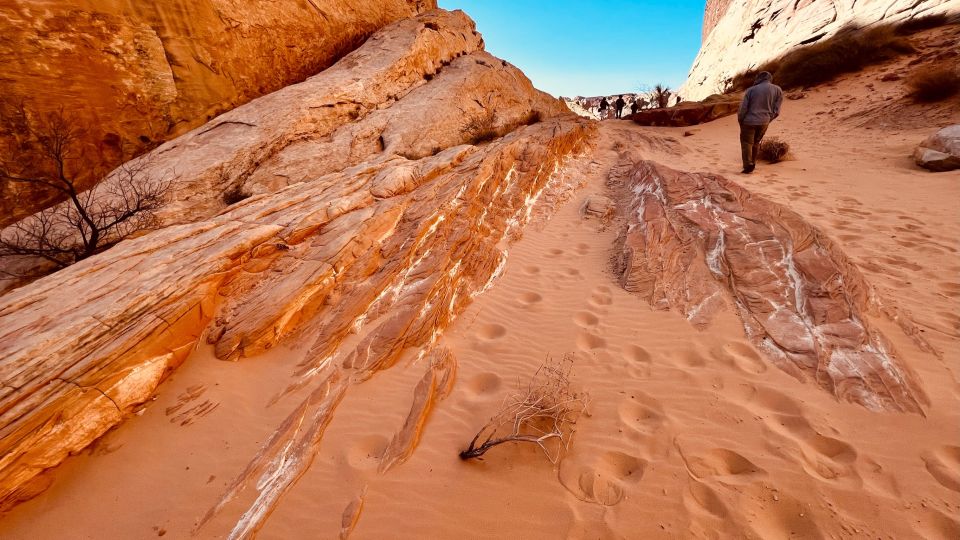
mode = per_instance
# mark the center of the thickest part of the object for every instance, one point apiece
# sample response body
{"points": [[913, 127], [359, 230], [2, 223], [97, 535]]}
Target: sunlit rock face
{"points": [[698, 243], [134, 73], [376, 210], [741, 34]]}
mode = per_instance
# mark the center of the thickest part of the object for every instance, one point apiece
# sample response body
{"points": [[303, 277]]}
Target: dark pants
{"points": [[750, 137], [619, 113]]}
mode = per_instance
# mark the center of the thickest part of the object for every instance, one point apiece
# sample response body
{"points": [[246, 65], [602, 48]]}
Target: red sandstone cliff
{"points": [[137, 73]]}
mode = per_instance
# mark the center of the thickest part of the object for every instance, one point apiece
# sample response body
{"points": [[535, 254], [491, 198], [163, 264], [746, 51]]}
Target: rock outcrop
{"points": [[698, 242], [689, 113], [372, 212], [741, 35], [941, 151], [137, 73]]}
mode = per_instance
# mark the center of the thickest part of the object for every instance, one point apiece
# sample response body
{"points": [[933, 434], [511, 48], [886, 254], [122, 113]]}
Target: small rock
{"points": [[890, 77], [597, 206], [941, 151], [796, 95]]}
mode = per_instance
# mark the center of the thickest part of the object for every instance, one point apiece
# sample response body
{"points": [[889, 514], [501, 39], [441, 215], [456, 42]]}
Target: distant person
{"points": [[760, 106], [620, 104], [634, 107], [604, 106]]}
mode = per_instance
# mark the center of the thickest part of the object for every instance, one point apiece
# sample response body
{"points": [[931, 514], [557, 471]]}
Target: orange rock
{"points": [[137, 73]]}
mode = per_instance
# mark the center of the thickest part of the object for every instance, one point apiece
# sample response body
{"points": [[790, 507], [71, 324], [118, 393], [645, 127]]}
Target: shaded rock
{"points": [[135, 74], [941, 151], [739, 36], [362, 220], [689, 113], [597, 206], [698, 242]]}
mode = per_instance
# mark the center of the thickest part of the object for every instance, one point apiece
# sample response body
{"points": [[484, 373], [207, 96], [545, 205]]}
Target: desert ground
{"points": [[689, 431]]}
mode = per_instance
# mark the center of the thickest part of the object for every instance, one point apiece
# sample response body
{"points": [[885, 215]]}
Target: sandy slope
{"points": [[689, 434]]}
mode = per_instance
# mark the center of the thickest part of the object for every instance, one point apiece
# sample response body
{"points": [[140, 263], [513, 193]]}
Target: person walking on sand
{"points": [[760, 106], [604, 105], [620, 104], [634, 107]]}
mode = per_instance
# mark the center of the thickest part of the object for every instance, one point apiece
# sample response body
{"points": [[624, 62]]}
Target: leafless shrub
{"points": [[87, 221], [544, 411], [919, 24], [934, 83], [480, 129], [773, 150]]}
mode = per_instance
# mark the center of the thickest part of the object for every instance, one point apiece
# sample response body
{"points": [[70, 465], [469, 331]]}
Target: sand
{"points": [[689, 433]]}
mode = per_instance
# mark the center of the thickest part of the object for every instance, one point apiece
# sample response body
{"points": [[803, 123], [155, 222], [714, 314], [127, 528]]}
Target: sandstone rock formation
{"points": [[740, 35], [372, 213], [136, 73], [697, 242], [940, 151], [689, 113]]}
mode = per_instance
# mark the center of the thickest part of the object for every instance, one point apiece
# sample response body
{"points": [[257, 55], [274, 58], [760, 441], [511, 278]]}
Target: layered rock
{"points": [[373, 214], [689, 113], [742, 34], [698, 242], [136, 73], [941, 151]]}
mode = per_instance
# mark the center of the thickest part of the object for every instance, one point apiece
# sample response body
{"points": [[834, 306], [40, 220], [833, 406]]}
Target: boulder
{"points": [[941, 151], [689, 113], [134, 74]]}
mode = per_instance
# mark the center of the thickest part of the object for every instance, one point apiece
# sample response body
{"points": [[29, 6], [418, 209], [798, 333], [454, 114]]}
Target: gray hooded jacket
{"points": [[761, 103]]}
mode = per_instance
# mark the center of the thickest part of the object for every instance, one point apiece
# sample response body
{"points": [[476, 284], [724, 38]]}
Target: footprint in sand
{"points": [[483, 384], [554, 252], [531, 270], [585, 319], [582, 249], [530, 298], [365, 452], [645, 424], [491, 332], [602, 479], [723, 464], [825, 457], [944, 465], [601, 296], [740, 355], [638, 360], [949, 288], [700, 498], [587, 341]]}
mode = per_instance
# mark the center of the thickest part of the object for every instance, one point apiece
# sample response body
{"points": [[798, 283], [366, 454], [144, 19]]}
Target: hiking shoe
{"points": [[748, 170]]}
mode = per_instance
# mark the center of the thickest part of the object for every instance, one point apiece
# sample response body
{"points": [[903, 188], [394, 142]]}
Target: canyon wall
{"points": [[380, 197], [741, 34], [135, 73]]}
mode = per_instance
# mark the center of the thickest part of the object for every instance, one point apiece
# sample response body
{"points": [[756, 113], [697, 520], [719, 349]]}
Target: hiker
{"points": [[604, 105], [620, 104], [760, 106], [634, 107]]}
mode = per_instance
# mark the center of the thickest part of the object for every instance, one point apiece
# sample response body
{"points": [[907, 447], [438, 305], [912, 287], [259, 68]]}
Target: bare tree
{"points": [[660, 95], [544, 411], [49, 155]]}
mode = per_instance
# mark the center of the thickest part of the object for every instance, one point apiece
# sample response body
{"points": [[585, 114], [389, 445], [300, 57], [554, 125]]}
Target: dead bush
{"points": [[850, 50], [480, 129], [543, 411], [660, 96], [87, 221], [773, 150], [934, 83]]}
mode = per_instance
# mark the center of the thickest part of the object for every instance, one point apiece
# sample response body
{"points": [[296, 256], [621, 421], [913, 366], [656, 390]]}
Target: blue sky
{"points": [[591, 48]]}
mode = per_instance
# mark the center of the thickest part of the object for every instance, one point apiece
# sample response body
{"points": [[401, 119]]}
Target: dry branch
{"points": [[544, 411]]}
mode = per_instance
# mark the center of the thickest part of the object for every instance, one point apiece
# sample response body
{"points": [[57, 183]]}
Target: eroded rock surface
{"points": [[373, 215], [744, 34], [135, 73], [698, 242]]}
